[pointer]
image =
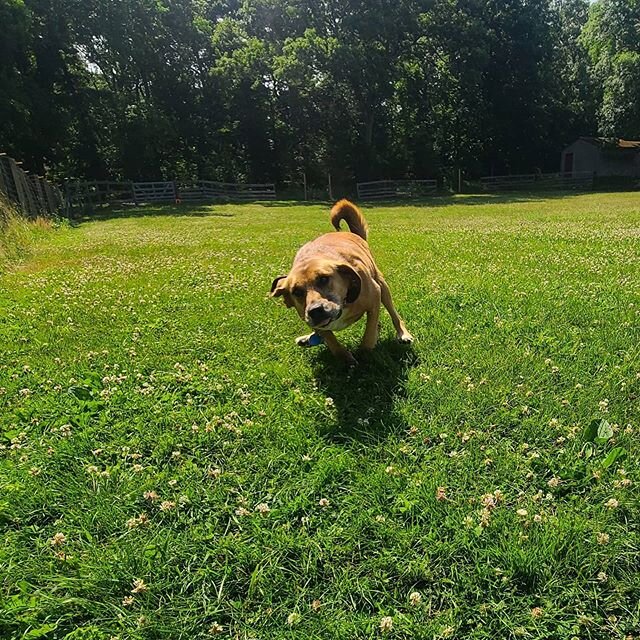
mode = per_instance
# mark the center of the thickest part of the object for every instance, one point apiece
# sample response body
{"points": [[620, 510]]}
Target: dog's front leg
{"points": [[336, 348], [372, 330]]}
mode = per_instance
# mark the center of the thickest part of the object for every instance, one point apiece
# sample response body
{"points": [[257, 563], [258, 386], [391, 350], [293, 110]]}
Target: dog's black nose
{"points": [[317, 313]]}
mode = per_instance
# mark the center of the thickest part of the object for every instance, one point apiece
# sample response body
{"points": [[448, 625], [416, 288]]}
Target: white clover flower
{"points": [[58, 539], [386, 624]]}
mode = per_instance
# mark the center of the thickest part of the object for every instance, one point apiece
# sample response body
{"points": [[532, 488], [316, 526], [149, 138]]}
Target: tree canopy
{"points": [[265, 89]]}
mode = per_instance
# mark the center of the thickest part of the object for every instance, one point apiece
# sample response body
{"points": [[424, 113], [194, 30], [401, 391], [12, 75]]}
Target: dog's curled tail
{"points": [[345, 210]]}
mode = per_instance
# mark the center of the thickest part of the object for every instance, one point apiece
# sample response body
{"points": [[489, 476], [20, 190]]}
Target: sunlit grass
{"points": [[174, 467]]}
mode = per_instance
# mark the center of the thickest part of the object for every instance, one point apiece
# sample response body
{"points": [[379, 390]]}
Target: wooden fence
{"points": [[382, 189], [36, 196], [89, 194], [33, 195], [206, 190], [154, 191], [574, 180]]}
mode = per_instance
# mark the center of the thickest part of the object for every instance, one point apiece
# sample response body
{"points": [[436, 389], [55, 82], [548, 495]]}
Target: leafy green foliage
{"points": [[612, 37], [264, 90]]}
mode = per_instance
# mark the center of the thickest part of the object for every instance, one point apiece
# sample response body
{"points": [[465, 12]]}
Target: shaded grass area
{"points": [[159, 425]]}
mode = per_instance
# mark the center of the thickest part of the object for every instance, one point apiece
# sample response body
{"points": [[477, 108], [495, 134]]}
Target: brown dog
{"points": [[334, 281]]}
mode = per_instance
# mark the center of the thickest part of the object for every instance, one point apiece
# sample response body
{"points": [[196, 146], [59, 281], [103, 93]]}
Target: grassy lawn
{"points": [[173, 466]]}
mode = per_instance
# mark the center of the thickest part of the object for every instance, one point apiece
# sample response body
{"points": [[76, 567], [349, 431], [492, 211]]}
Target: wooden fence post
{"points": [[48, 190], [67, 199], [22, 197], [4, 187], [42, 200], [31, 194]]}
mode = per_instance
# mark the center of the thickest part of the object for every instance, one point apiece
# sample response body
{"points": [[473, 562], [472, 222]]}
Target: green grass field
{"points": [[173, 466]]}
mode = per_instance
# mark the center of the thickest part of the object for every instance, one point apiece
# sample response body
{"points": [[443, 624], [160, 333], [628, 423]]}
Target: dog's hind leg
{"points": [[336, 348], [401, 331]]}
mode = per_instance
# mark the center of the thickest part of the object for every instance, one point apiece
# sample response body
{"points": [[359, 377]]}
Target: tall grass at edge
{"points": [[16, 233]]}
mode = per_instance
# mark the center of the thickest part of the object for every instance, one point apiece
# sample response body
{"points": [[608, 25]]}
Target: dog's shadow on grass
{"points": [[366, 397]]}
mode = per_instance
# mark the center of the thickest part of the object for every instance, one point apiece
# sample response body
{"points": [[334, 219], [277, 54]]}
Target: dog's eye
{"points": [[298, 292], [321, 281]]}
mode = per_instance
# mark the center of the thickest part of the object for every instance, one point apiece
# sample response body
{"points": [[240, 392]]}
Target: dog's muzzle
{"points": [[319, 316]]}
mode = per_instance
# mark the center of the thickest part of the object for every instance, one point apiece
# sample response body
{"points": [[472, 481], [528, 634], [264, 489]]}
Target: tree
{"points": [[263, 89], [612, 37]]}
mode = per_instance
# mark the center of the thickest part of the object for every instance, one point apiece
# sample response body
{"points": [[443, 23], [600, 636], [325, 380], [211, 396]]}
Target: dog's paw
{"points": [[312, 340], [303, 341], [405, 337], [349, 360]]}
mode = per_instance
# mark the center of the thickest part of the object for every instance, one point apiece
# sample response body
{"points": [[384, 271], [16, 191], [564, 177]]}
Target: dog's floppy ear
{"points": [[355, 282], [278, 288]]}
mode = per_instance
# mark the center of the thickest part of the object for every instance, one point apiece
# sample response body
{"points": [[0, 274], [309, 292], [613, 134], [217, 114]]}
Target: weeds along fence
{"points": [[32, 195], [83, 195], [531, 181], [389, 189]]}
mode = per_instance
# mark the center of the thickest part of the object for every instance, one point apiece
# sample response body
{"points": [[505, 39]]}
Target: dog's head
{"points": [[319, 290]]}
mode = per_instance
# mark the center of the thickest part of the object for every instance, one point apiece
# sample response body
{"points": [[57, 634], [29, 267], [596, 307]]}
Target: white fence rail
{"points": [[208, 190], [99, 192], [381, 189], [107, 192], [154, 191], [33, 195], [574, 180]]}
